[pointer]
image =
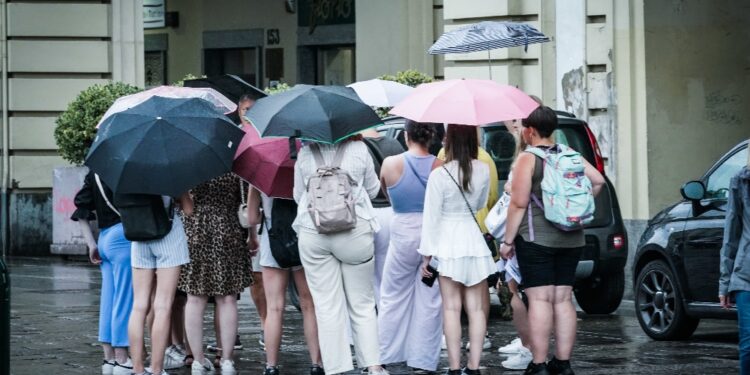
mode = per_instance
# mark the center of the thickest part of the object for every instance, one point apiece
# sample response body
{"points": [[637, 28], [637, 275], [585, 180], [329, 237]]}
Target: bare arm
{"points": [[254, 215], [596, 178], [519, 200], [88, 236], [186, 204]]}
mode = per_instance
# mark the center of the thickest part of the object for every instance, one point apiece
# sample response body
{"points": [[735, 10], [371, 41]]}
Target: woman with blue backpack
{"points": [[552, 198]]}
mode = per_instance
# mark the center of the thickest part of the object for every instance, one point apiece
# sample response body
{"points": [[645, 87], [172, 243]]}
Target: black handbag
{"points": [[144, 217], [488, 238]]}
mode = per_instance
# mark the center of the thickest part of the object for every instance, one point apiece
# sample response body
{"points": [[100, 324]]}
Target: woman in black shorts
{"points": [[547, 256]]}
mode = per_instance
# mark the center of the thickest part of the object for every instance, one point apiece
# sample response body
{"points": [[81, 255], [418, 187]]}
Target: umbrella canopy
{"points": [[230, 85], [325, 114], [487, 35], [266, 163], [221, 102], [163, 146], [465, 102], [381, 93]]}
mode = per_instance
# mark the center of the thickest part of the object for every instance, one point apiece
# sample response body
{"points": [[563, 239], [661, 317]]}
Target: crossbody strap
{"points": [[464, 196], [407, 161], [243, 196], [104, 195]]}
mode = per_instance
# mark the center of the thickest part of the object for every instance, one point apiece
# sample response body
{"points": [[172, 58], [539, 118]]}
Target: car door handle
{"points": [[706, 241]]}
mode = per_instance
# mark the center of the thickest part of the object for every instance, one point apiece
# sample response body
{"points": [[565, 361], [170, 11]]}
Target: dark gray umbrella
{"points": [[164, 146], [486, 36], [325, 114]]}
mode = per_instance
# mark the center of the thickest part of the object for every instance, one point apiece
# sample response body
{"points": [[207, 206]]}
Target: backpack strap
{"points": [[104, 195], [319, 161], [339, 155]]}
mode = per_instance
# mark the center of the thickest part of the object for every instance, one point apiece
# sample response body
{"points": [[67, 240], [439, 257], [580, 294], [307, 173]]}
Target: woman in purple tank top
{"points": [[410, 314]]}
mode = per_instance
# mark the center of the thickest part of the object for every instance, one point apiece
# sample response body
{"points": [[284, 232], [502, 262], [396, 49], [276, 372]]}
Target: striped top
{"points": [[357, 162]]}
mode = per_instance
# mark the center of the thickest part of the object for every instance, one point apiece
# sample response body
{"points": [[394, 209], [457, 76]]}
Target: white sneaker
{"points": [[227, 366], [107, 367], [202, 368], [485, 345], [173, 359], [518, 361], [123, 368], [513, 348]]}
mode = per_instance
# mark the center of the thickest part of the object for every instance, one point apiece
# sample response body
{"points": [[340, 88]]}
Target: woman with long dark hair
{"points": [[410, 316], [451, 235]]}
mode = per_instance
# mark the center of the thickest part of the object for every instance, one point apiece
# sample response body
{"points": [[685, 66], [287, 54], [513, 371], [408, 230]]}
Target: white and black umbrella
{"points": [[486, 36]]}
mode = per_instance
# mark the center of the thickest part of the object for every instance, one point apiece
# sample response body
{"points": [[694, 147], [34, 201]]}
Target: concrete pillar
{"points": [[570, 40], [127, 42]]}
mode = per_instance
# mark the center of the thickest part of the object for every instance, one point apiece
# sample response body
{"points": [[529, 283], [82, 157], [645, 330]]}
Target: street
{"points": [[54, 314]]}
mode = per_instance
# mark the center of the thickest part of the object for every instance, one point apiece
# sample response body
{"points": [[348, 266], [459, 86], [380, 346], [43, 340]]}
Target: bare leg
{"points": [[143, 279], [166, 286], [109, 352], [308, 316], [541, 313], [275, 281], [226, 307], [121, 355], [520, 315], [194, 309], [217, 326], [178, 320], [451, 292], [259, 297], [565, 322], [475, 298]]}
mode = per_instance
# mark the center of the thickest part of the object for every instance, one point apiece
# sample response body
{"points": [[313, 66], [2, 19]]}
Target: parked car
{"points": [[676, 266], [601, 271]]}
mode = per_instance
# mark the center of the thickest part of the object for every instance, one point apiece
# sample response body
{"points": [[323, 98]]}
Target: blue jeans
{"points": [[742, 299]]}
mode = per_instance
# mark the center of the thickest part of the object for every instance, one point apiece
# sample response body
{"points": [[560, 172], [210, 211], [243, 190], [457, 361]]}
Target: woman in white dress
{"points": [[451, 234]]}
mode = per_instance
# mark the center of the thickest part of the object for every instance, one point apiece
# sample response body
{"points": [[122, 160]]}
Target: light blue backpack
{"points": [[567, 198]]}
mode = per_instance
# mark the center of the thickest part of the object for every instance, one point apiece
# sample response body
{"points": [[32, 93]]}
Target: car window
{"points": [[717, 183]]}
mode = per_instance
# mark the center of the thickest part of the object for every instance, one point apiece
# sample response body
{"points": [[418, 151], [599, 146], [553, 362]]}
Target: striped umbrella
{"points": [[486, 36]]}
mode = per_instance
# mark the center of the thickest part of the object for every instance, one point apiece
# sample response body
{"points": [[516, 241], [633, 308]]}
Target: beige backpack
{"points": [[331, 194]]}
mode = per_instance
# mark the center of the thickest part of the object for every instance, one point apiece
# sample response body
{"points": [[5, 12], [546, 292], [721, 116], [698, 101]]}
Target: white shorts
{"points": [[167, 252]]}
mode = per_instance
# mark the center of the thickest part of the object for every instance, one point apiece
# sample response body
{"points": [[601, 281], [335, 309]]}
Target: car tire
{"points": [[658, 304], [604, 296]]}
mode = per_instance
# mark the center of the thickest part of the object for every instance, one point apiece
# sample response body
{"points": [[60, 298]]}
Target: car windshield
{"points": [[501, 145], [717, 183]]}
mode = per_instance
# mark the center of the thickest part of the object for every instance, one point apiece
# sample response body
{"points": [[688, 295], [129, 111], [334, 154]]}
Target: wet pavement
{"points": [[54, 313]]}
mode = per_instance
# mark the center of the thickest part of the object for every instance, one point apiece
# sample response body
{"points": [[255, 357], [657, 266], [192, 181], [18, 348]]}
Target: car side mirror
{"points": [[693, 190]]}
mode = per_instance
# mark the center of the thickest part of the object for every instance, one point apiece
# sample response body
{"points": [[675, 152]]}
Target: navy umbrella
{"points": [[486, 36], [163, 146], [325, 114]]}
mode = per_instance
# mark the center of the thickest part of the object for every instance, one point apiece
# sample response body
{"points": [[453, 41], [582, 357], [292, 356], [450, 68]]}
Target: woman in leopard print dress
{"points": [[220, 262]]}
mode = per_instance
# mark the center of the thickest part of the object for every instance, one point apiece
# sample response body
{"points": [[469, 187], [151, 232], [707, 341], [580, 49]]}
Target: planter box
{"points": [[66, 235]]}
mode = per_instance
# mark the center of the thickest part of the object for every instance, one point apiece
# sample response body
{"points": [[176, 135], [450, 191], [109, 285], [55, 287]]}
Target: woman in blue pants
{"points": [[112, 253]]}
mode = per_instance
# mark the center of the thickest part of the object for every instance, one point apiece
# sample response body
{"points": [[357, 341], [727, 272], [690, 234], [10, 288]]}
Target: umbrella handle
{"points": [[293, 144]]}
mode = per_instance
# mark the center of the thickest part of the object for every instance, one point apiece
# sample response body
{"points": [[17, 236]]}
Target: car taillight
{"points": [[618, 241], [598, 159]]}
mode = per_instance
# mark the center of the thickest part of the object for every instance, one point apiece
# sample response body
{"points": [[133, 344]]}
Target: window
{"points": [[717, 184], [335, 66], [243, 62], [155, 68]]}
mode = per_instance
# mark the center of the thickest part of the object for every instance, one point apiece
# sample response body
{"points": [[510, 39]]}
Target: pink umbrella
{"points": [[265, 163], [219, 101], [465, 102]]}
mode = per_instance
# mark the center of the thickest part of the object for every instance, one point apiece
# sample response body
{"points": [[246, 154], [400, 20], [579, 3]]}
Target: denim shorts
{"points": [[543, 266], [167, 252]]}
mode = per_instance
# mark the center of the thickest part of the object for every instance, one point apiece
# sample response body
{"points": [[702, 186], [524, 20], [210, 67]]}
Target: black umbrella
{"points": [[164, 146], [319, 113], [229, 85]]}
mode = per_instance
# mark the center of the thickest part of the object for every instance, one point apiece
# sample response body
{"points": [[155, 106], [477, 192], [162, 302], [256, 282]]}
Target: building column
{"points": [[127, 42]]}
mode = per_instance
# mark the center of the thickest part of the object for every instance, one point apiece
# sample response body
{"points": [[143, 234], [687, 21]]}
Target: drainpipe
{"points": [[4, 202]]}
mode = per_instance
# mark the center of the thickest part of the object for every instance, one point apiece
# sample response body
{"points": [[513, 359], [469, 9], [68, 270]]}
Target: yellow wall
{"points": [[698, 86]]}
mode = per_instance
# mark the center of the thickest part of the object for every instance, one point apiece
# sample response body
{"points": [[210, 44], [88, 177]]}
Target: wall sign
{"points": [[153, 14]]}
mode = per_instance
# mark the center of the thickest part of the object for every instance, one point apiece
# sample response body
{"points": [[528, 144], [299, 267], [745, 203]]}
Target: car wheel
{"points": [[604, 296], [658, 304]]}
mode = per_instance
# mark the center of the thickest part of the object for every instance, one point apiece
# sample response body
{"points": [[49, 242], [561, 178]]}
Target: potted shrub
{"points": [[74, 133]]}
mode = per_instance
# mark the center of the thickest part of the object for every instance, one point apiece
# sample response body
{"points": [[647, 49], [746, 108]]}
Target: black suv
{"points": [[600, 274], [676, 266]]}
